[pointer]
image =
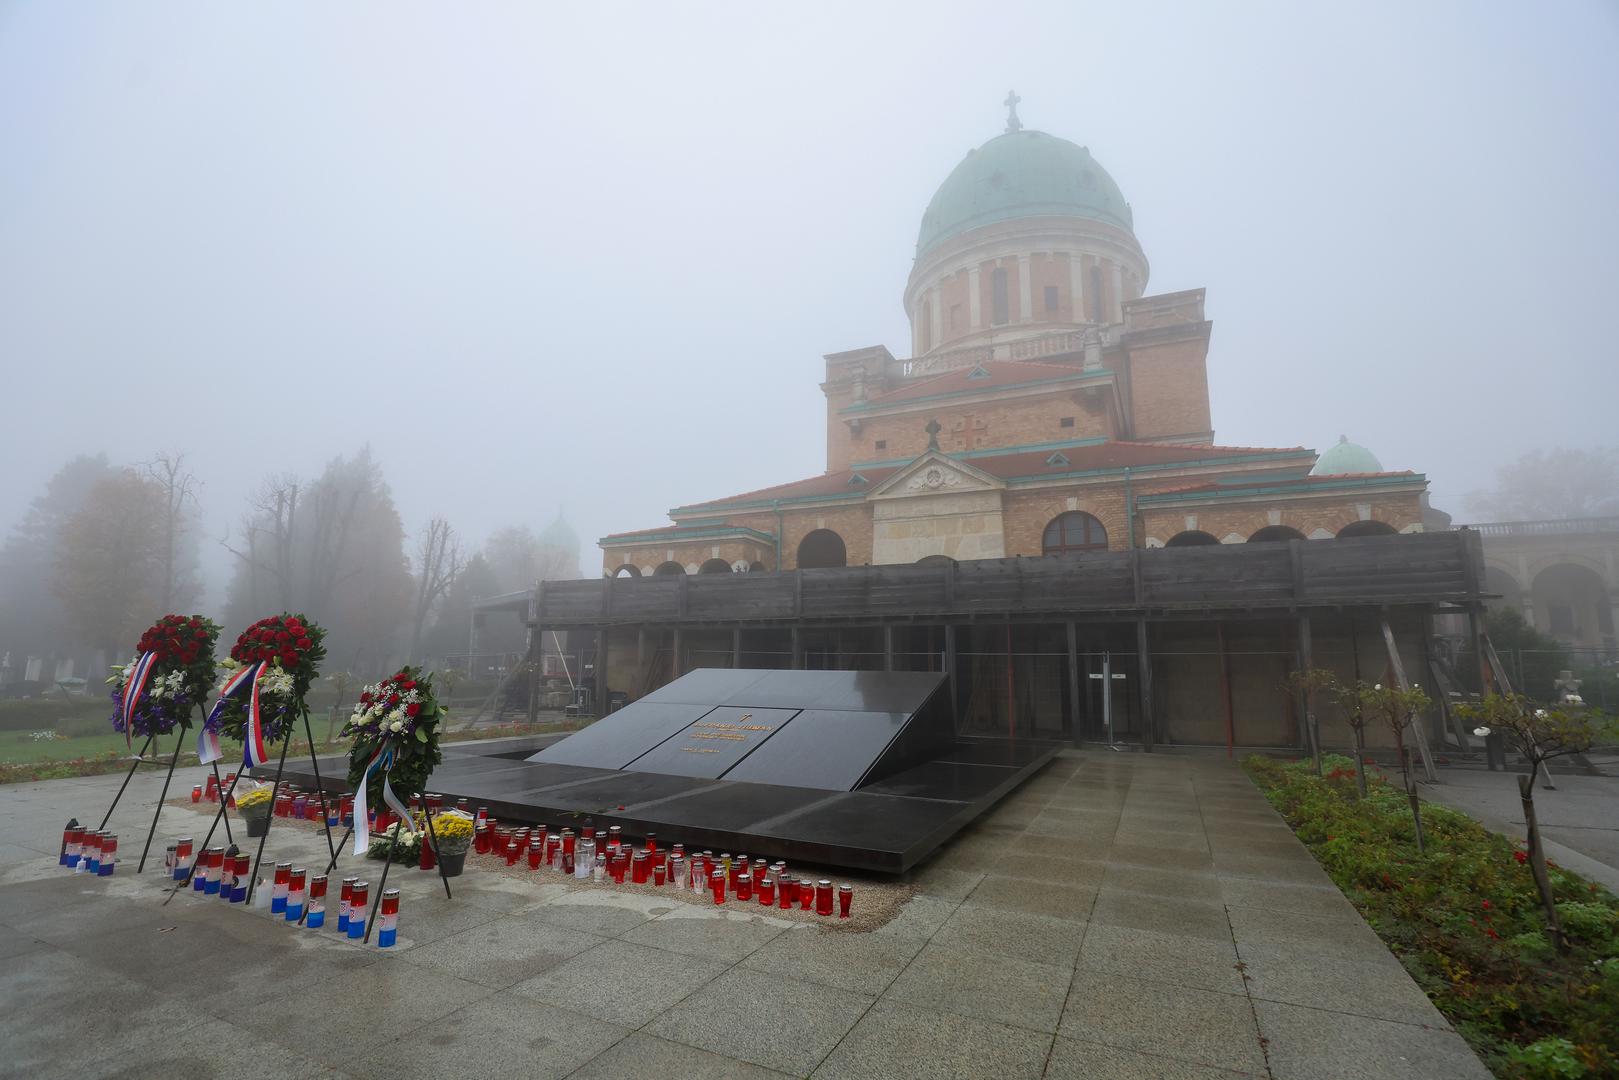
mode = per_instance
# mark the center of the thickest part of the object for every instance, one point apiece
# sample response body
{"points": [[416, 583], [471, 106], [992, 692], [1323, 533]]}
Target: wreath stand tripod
{"points": [[224, 802], [140, 757], [361, 806]]}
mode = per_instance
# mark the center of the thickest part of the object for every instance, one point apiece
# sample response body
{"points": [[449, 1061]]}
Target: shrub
{"points": [[1465, 919]]}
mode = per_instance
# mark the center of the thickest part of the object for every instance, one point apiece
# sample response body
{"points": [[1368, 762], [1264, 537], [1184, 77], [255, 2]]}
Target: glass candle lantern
{"points": [[71, 835], [677, 869], [536, 855], [295, 893], [806, 893], [638, 868], [168, 860], [845, 900], [615, 838], [388, 919], [823, 897], [426, 857], [359, 900], [767, 891], [786, 892], [585, 860], [227, 876], [347, 810], [598, 873], [90, 851], [480, 839], [483, 814], [659, 872], [716, 883], [244, 870], [212, 790], [182, 857], [109, 855], [744, 887], [461, 805], [196, 793], [652, 843], [300, 803], [569, 863], [345, 897], [317, 902], [279, 888]]}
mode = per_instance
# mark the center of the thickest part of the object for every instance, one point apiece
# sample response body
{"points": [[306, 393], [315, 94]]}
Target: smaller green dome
{"points": [[1022, 174], [1346, 457]]}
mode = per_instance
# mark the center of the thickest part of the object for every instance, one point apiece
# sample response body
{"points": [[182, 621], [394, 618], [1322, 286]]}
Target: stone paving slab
{"points": [[1109, 902]]}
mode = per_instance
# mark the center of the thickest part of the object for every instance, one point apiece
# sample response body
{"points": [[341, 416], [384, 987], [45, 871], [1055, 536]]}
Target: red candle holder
{"points": [[716, 883], [435, 803], [652, 843], [553, 850], [659, 873], [483, 814], [767, 891], [538, 837], [806, 893], [196, 792], [426, 860], [345, 894], [845, 900], [786, 892], [638, 868], [536, 854], [570, 843], [676, 874], [744, 887], [823, 897], [182, 856], [615, 837], [480, 839]]}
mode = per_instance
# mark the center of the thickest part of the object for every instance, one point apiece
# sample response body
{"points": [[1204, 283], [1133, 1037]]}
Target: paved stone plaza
{"points": [[1122, 915]]}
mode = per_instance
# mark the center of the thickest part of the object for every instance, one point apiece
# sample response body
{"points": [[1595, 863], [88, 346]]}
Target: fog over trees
{"points": [[105, 549]]}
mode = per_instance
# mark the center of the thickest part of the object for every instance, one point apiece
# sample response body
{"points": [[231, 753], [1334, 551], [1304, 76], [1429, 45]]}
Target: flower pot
{"points": [[452, 864], [258, 822]]}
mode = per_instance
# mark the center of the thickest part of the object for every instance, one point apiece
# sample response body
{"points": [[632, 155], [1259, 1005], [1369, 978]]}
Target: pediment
{"points": [[935, 473]]}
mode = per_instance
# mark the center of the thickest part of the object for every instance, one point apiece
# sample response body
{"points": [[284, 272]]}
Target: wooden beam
{"points": [[1075, 714], [1398, 666], [600, 688], [1149, 720], [1307, 661], [888, 646], [1225, 690]]}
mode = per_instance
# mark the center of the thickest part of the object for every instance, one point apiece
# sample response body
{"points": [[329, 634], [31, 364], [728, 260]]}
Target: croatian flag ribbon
{"points": [[246, 679], [382, 759], [139, 676], [254, 752]]}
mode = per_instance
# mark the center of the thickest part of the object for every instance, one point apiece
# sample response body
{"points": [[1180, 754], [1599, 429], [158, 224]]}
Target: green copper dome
{"points": [[1346, 457], [1021, 174]]}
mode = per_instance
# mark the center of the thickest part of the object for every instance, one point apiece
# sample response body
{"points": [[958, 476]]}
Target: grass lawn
{"points": [[20, 747], [1465, 920]]}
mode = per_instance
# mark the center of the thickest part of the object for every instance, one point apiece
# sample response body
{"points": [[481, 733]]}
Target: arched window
{"points": [[1073, 531], [934, 560], [669, 569], [715, 566], [627, 570], [820, 549], [1191, 538], [1366, 528], [758, 568], [1274, 533]]}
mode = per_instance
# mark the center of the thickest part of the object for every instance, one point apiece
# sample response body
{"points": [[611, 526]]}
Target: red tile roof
{"points": [[998, 374], [1105, 455], [1193, 489]]}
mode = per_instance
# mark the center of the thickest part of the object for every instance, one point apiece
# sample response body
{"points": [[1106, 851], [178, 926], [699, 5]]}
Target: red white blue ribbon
{"points": [[208, 746], [382, 759], [139, 676], [245, 680]]}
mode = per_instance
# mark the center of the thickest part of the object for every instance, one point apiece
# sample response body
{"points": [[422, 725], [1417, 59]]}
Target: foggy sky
{"points": [[592, 258]]}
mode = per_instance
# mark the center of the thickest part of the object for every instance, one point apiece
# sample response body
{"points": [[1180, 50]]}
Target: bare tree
{"points": [[178, 486], [438, 562], [1539, 735], [109, 555], [1554, 484]]}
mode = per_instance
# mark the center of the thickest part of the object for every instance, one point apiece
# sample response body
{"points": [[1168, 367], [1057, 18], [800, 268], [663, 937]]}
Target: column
{"points": [[1025, 295], [1118, 293], [1076, 285], [975, 307], [936, 301]]}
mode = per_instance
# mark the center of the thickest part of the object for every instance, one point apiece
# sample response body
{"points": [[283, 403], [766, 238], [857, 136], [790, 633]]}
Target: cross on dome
{"points": [[1011, 103]]}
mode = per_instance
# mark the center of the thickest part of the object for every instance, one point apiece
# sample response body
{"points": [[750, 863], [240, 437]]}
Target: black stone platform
{"points": [[859, 770], [887, 827]]}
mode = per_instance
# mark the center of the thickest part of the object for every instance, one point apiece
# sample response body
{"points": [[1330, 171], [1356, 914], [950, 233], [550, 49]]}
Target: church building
{"points": [[1049, 404]]}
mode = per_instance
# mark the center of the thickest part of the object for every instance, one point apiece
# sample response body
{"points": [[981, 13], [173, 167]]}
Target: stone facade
{"points": [[1042, 382]]}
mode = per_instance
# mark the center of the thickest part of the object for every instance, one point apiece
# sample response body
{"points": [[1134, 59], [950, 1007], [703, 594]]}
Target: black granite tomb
{"points": [[851, 769]]}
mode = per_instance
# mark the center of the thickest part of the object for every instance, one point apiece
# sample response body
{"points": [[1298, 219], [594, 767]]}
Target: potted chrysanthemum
{"points": [[452, 837], [255, 809]]}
